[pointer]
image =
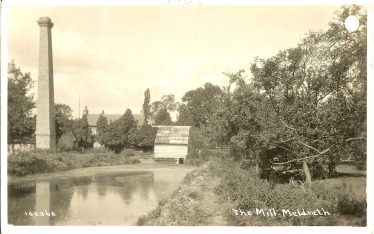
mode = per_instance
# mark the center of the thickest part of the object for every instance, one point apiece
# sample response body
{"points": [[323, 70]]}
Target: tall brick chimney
{"points": [[45, 120]]}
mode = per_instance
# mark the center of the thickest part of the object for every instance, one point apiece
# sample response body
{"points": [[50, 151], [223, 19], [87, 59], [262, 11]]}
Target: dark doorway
{"points": [[181, 160]]}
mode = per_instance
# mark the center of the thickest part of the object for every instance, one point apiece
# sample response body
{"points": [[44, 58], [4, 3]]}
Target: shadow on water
{"points": [[102, 199]]}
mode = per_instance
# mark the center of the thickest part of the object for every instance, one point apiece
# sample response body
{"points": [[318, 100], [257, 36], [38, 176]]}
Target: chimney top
{"points": [[85, 111], [45, 21]]}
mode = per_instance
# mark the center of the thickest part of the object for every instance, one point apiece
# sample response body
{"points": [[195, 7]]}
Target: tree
{"points": [[199, 105], [101, 128], [304, 108], [127, 126], [63, 118], [155, 107], [113, 137], [163, 118], [311, 89], [121, 133], [83, 133], [167, 104], [146, 107], [146, 138], [21, 122], [184, 116]]}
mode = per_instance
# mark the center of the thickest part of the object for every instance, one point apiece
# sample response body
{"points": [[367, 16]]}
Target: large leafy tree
{"points": [[21, 122], [162, 118], [121, 133], [113, 137], [127, 126], [199, 105], [313, 89], [305, 105], [146, 138]]}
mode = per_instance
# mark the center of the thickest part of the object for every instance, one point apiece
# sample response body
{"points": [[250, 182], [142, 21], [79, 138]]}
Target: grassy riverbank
{"points": [[41, 161], [209, 194], [193, 203]]}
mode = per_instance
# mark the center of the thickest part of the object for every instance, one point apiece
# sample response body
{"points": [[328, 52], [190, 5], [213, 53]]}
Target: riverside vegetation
{"points": [[44, 161], [208, 195]]}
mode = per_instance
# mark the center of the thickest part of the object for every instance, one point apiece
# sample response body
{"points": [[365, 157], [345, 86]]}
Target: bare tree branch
{"points": [[355, 138], [300, 159], [298, 139], [310, 147]]}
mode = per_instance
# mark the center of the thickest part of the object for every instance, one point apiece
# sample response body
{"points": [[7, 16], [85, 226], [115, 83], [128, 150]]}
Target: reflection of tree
{"points": [[101, 190], [61, 193], [83, 192], [130, 184], [144, 186], [21, 199], [82, 182]]}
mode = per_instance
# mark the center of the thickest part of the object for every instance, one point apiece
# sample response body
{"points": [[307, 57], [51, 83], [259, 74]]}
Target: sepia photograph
{"points": [[185, 115]]}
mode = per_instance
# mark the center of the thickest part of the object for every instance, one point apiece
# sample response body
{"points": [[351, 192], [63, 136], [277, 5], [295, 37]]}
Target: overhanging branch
{"points": [[300, 159]]}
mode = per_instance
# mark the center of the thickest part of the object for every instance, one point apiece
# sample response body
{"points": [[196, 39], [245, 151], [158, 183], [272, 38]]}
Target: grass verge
{"points": [[41, 161]]}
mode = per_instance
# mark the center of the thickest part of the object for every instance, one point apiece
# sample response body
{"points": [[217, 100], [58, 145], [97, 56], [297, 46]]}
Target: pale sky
{"points": [[110, 55]]}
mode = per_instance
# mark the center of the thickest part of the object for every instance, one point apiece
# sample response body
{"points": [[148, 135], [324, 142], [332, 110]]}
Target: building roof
{"points": [[92, 118], [67, 138], [172, 135]]}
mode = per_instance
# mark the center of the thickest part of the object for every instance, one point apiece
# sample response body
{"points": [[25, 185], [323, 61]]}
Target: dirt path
{"points": [[210, 203]]}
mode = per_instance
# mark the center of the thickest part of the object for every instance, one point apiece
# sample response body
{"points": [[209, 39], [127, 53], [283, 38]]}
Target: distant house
{"points": [[172, 143], [67, 141], [92, 119]]}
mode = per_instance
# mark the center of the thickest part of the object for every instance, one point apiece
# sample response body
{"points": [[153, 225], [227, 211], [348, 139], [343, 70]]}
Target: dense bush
{"points": [[24, 164]]}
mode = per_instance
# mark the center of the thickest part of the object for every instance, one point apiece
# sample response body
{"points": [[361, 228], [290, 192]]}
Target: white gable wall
{"points": [[170, 151]]}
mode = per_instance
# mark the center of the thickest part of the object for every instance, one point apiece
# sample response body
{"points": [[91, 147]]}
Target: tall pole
{"points": [[45, 120], [79, 105]]}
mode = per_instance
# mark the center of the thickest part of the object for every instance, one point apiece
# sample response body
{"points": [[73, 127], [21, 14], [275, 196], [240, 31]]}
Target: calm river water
{"points": [[101, 199]]}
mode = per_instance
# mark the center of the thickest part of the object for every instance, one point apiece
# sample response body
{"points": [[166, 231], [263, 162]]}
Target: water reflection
{"points": [[106, 199]]}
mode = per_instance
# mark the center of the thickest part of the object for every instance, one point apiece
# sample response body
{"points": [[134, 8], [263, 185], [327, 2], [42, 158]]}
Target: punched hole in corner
{"points": [[352, 23]]}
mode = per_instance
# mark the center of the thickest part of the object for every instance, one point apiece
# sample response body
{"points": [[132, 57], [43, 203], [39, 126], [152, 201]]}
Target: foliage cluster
{"points": [[303, 108], [124, 134], [21, 122]]}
